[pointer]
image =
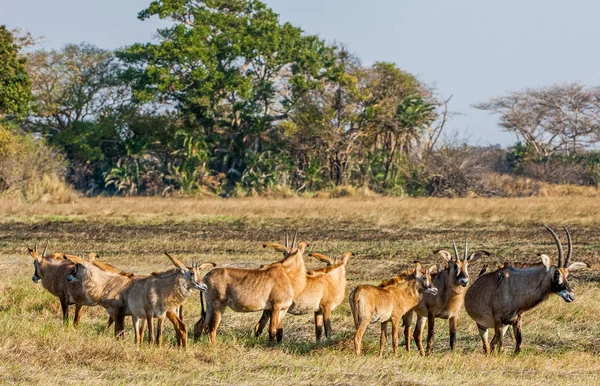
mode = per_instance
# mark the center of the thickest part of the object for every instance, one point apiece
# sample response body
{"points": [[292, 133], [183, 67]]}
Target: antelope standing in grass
{"points": [[498, 299], [388, 303], [52, 270], [451, 284], [153, 296], [272, 287], [324, 291]]}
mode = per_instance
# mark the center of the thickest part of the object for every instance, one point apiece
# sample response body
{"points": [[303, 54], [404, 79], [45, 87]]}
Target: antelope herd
{"points": [[495, 300]]}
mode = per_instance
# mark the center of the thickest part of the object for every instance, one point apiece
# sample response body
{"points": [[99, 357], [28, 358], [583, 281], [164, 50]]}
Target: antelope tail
{"points": [[354, 308]]}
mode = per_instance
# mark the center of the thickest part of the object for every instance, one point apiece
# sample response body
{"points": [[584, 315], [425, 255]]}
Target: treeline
{"points": [[232, 101]]}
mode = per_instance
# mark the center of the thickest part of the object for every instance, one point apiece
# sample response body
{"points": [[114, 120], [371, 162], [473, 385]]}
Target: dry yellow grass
{"points": [[561, 341]]}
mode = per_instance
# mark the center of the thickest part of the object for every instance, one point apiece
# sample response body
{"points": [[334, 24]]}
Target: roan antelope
{"points": [[272, 287], [153, 296], [388, 303], [498, 299], [109, 289], [324, 291], [52, 270], [451, 284]]}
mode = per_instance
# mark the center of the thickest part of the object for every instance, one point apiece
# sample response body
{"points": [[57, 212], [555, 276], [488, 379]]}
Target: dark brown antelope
{"points": [[272, 287], [498, 299], [324, 291], [451, 284], [388, 303], [52, 270]]}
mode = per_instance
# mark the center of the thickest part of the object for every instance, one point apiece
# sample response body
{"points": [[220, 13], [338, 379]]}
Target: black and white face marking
{"points": [[36, 277], [560, 286]]}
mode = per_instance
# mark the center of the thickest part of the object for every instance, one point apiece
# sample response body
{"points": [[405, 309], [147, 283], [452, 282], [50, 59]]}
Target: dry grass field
{"points": [[561, 341]]}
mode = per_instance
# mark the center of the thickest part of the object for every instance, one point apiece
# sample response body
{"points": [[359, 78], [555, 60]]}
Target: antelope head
{"points": [[82, 271], [37, 260], [191, 275], [559, 273], [459, 268], [423, 279]]}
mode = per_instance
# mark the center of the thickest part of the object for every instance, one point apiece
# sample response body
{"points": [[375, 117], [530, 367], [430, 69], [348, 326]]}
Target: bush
{"points": [[30, 170]]}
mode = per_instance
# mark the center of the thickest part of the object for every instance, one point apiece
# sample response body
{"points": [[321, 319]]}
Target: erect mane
{"points": [[327, 269], [166, 273], [403, 276], [110, 268], [516, 265]]}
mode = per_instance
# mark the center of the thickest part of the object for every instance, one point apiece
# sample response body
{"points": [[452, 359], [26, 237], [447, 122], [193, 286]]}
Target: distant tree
{"points": [[232, 70], [551, 119], [15, 86]]}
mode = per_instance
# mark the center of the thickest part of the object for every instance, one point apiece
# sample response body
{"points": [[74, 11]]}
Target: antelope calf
{"points": [[388, 303], [498, 299], [324, 291], [272, 287], [451, 284], [52, 270]]}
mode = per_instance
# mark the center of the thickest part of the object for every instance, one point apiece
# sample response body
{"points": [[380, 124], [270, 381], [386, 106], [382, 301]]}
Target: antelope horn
{"points": [[45, 247], [569, 248], [558, 245], [455, 251], [287, 239], [294, 240], [35, 247], [466, 247]]}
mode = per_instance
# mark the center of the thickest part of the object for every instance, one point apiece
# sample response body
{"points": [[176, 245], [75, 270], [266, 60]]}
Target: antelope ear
{"points": [[476, 255], [577, 265], [418, 273], [302, 246], [93, 256], [545, 261], [176, 262], [325, 259], [444, 253], [36, 256], [277, 247], [346, 257], [206, 266]]}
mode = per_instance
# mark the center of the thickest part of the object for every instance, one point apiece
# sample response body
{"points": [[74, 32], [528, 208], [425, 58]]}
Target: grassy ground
{"points": [[562, 341]]}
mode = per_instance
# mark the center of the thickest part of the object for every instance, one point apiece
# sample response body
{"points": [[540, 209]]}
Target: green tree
{"points": [[15, 86], [231, 68]]}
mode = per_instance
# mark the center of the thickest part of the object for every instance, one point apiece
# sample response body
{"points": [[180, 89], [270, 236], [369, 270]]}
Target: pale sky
{"points": [[471, 49]]}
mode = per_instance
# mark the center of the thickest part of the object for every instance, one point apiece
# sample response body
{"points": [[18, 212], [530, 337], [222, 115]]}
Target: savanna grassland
{"points": [[561, 341]]}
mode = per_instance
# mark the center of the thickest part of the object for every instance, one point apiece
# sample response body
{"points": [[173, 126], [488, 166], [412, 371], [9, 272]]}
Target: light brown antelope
{"points": [[324, 291], [451, 284], [388, 303], [498, 299], [272, 287], [53, 270]]}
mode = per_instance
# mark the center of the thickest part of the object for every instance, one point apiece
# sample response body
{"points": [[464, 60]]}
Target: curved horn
{"points": [[466, 248], [287, 239], [558, 245], [45, 247], [455, 250], [569, 248], [35, 247], [294, 240]]}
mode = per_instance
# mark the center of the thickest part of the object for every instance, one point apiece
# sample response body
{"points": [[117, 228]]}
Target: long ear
{"points": [[33, 252], [476, 255], [176, 262], [444, 253], [545, 261], [277, 247], [302, 246], [206, 266], [346, 257], [418, 270], [325, 259], [93, 256], [577, 265]]}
